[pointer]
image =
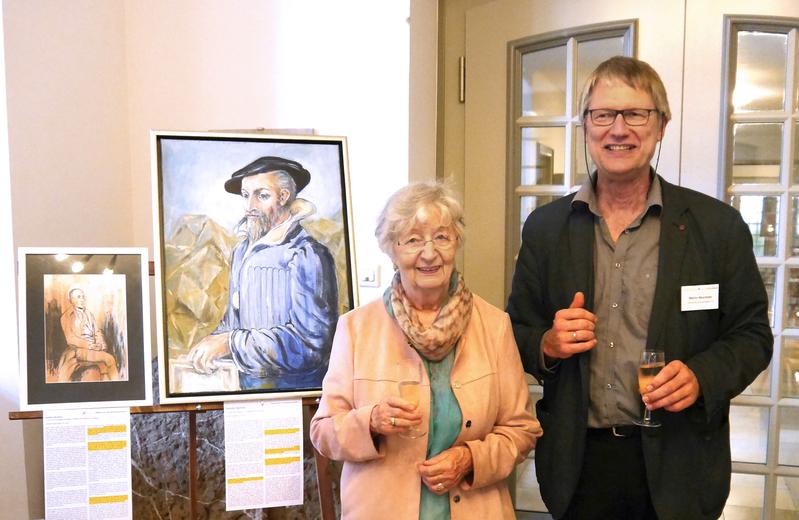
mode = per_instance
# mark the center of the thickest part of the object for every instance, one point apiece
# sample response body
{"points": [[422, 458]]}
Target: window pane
{"points": [[581, 156], [789, 362], [793, 246], [761, 213], [769, 276], [542, 155], [787, 497], [789, 436], [761, 385], [746, 497], [760, 71], [748, 433], [756, 150], [792, 302], [528, 204], [795, 175], [544, 82], [592, 53]]}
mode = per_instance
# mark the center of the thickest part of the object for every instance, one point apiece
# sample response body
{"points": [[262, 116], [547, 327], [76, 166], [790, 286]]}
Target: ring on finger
{"points": [[439, 487], [393, 421]]}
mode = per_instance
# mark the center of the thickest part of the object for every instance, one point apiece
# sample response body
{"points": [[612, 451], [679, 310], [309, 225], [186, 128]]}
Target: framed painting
{"points": [[84, 327], [254, 262]]}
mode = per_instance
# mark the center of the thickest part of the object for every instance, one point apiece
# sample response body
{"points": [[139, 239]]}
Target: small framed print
{"points": [[84, 328], [254, 262]]}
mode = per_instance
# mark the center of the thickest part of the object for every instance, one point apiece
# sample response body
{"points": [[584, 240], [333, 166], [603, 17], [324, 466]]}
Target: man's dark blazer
{"points": [[702, 241]]}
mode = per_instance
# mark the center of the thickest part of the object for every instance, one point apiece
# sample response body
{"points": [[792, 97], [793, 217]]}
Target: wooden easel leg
{"points": [[325, 486], [193, 464]]}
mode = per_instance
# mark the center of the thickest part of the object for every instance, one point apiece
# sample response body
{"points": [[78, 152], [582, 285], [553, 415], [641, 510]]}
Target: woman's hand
{"points": [[445, 471], [393, 415]]}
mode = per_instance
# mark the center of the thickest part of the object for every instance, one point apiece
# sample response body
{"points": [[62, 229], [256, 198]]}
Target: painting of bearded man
{"points": [[282, 300], [267, 313]]}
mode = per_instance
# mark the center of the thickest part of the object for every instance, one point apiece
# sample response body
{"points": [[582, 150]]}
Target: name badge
{"points": [[699, 297]]}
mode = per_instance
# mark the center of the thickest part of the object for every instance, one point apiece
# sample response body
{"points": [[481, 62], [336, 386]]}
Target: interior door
{"points": [[489, 28]]}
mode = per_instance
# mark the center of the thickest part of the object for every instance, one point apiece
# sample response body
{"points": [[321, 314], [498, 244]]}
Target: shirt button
{"points": [[456, 498], [469, 423], [614, 305], [618, 265], [457, 384], [609, 386], [612, 344]]}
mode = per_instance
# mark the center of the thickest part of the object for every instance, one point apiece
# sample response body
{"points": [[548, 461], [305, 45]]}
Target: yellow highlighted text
{"points": [[108, 500]]}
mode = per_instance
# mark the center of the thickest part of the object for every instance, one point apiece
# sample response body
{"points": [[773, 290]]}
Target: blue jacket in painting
{"points": [[282, 311]]}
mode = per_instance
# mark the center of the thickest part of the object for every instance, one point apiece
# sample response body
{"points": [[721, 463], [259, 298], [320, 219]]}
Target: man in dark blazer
{"points": [[631, 262]]}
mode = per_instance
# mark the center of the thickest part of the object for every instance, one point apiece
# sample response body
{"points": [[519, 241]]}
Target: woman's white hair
{"points": [[410, 205]]}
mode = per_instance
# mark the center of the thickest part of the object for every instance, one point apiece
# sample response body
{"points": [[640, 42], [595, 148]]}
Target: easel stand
{"points": [[323, 482]]}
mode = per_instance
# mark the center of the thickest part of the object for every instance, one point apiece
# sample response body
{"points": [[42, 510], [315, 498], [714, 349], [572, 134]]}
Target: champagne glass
{"points": [[651, 363], [409, 389]]}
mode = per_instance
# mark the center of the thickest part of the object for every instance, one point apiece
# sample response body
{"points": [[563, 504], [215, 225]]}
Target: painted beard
{"points": [[257, 224]]}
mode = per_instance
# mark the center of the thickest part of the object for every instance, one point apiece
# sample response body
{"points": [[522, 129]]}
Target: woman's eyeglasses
{"points": [[414, 243]]}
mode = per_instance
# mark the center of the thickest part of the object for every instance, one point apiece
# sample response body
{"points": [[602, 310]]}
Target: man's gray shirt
{"points": [[625, 276]]}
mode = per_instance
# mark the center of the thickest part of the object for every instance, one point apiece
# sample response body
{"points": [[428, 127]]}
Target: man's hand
{"points": [[99, 341], [572, 331], [204, 353], [675, 388]]}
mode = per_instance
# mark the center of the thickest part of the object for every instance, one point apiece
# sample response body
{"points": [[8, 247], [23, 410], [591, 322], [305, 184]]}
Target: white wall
{"points": [[340, 68], [87, 80], [68, 124], [12, 496]]}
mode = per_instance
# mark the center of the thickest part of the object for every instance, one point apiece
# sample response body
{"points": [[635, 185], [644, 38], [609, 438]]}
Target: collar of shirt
{"points": [[586, 195]]}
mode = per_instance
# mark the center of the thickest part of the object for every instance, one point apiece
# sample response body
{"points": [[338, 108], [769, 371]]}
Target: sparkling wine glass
{"points": [[651, 363], [409, 389]]}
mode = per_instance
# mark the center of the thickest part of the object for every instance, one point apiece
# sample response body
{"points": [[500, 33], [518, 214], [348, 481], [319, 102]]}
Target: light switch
{"points": [[369, 277]]}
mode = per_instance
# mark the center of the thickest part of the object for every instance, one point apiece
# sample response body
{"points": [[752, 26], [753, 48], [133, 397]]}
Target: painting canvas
{"points": [[84, 327], [254, 262]]}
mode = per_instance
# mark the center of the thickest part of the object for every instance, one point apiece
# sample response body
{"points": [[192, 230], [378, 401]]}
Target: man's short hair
{"points": [[285, 181], [632, 72]]}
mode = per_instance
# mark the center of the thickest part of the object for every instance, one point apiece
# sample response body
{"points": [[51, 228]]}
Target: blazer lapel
{"points": [[581, 249], [673, 240]]}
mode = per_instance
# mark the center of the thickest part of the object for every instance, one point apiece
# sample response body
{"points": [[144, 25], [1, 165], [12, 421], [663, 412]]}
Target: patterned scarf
{"points": [[434, 342]]}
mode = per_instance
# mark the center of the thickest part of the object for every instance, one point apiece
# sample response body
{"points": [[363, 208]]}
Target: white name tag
{"points": [[700, 297]]}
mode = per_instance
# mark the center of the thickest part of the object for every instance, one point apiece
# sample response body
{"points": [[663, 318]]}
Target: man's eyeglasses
{"points": [[414, 243], [631, 116]]}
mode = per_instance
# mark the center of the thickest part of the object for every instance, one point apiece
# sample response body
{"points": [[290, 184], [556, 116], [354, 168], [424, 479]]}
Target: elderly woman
{"points": [[449, 456]]}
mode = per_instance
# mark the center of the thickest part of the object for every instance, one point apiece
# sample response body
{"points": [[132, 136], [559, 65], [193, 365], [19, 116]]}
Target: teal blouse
{"points": [[445, 425], [445, 420]]}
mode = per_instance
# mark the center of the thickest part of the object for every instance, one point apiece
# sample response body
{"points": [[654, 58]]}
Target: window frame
{"points": [[782, 261], [517, 122]]}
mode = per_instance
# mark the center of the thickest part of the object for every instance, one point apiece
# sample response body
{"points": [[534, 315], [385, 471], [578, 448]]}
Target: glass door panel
{"points": [[760, 71], [544, 82]]}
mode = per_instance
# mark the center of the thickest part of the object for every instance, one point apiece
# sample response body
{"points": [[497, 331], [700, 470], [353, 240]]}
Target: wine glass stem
{"points": [[647, 416]]}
